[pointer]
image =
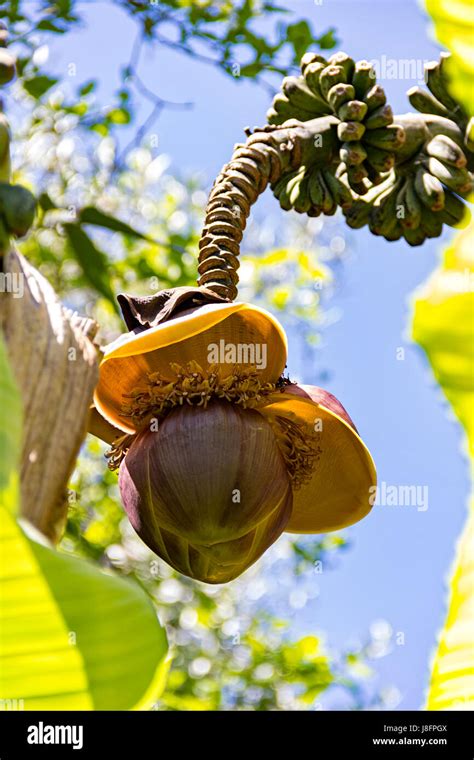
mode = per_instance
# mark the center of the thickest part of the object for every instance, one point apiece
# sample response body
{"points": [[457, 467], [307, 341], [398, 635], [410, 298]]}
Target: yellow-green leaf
{"points": [[454, 28], [71, 636], [443, 325], [452, 677]]}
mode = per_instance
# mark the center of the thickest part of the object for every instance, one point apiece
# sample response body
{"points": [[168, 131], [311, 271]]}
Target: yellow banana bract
{"points": [[181, 340], [341, 489]]}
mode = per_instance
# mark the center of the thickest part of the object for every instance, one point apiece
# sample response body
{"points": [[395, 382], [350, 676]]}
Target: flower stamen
{"points": [[197, 387]]}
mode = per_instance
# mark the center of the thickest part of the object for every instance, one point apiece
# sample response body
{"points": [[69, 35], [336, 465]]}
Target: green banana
{"points": [[458, 180], [315, 190], [357, 215], [455, 207], [294, 182], [429, 190], [380, 159], [430, 223], [395, 233], [298, 192], [352, 153], [280, 190], [401, 200], [375, 97], [339, 191], [340, 94], [373, 175], [312, 74], [350, 131], [353, 110], [345, 62], [299, 94], [412, 207], [446, 150], [309, 58], [330, 76], [383, 216], [363, 78], [414, 237], [356, 174], [380, 117], [437, 85], [426, 103], [388, 138], [285, 110], [329, 204]]}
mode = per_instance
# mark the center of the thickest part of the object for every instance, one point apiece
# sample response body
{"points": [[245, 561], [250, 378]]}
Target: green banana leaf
{"points": [[443, 325], [71, 636], [454, 28]]}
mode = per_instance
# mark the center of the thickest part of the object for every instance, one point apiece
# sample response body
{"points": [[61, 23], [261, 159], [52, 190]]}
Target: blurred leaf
{"points": [[119, 116], [88, 87], [454, 28], [251, 70], [93, 261], [443, 325], [71, 636], [45, 202], [37, 86], [327, 40], [300, 36], [92, 215], [48, 26]]}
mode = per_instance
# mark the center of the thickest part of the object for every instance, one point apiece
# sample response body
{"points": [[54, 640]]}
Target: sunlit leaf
{"points": [[93, 261], [300, 37], [327, 40], [45, 202], [454, 28], [71, 636], [92, 215], [119, 116], [443, 325], [38, 86], [88, 87]]}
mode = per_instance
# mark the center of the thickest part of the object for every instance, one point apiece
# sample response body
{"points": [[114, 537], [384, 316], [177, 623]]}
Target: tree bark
{"points": [[55, 363]]}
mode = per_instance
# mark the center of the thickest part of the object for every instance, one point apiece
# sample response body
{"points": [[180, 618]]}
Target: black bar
{"points": [[315, 734]]}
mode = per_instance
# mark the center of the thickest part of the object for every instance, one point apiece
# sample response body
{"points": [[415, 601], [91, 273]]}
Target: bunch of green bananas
{"points": [[415, 202], [347, 90], [312, 191], [437, 101]]}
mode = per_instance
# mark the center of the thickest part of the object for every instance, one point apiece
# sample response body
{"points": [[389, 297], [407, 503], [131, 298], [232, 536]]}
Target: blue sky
{"points": [[399, 559]]}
